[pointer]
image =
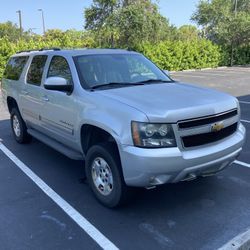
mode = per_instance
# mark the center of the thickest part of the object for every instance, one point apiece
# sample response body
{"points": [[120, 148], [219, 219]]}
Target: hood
{"points": [[172, 102]]}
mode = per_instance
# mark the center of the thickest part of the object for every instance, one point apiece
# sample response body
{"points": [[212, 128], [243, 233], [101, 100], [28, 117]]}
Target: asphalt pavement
{"points": [[202, 214]]}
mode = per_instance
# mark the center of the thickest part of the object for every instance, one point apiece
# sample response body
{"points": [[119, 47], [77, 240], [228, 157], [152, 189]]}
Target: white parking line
{"points": [[240, 70], [93, 232], [189, 76], [244, 102], [241, 241], [242, 163], [245, 121], [199, 73]]}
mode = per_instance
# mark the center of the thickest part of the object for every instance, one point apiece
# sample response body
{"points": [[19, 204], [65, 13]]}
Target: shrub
{"points": [[180, 55]]}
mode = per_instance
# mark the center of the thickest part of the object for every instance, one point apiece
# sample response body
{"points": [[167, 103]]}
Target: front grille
{"points": [[207, 120], [201, 139]]}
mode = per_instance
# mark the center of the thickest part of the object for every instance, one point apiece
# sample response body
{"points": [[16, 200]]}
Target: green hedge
{"points": [[8, 48], [241, 55], [180, 55], [170, 55]]}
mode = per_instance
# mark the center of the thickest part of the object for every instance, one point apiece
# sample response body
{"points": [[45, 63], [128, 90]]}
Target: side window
{"points": [[15, 67], [35, 72], [60, 67]]}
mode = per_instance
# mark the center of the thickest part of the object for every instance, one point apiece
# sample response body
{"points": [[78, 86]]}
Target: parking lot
{"points": [[46, 204]]}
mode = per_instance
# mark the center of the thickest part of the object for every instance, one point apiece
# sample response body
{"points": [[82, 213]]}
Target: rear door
{"points": [[32, 96]]}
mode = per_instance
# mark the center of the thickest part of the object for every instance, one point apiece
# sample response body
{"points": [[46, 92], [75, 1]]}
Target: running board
{"points": [[72, 154]]}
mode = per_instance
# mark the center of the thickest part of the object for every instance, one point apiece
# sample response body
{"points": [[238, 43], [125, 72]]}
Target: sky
{"points": [[64, 14]]}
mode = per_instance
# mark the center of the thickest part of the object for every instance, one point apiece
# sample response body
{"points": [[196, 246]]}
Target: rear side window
{"points": [[15, 67], [59, 67], [35, 72]]}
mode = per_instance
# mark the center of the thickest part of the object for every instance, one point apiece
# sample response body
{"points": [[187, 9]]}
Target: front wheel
{"points": [[104, 174]]}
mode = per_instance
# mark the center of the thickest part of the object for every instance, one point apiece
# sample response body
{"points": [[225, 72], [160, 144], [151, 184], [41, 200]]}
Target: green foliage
{"points": [[138, 25], [140, 22], [52, 38], [181, 55], [226, 22], [126, 23], [187, 33], [9, 30], [241, 55], [99, 13]]}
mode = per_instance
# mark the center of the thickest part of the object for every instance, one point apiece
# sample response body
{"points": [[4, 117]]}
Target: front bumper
{"points": [[148, 167]]}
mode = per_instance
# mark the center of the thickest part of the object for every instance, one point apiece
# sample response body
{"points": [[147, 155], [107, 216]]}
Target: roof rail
{"points": [[30, 50], [42, 49], [54, 48]]}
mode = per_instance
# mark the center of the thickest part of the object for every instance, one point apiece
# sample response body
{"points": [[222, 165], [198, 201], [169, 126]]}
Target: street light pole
{"points": [[20, 21], [232, 45], [235, 8], [42, 21]]}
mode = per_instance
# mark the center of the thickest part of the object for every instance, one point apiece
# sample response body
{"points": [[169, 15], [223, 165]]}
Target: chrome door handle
{"points": [[25, 92], [45, 98]]}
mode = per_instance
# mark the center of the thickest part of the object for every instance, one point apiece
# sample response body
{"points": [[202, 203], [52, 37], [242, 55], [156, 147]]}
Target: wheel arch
{"points": [[92, 134], [12, 103]]}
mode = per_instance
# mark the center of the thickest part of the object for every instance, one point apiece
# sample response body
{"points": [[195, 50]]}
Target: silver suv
{"points": [[133, 125]]}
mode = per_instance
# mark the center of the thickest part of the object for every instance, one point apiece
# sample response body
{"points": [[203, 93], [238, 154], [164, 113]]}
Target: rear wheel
{"points": [[103, 171], [19, 128]]}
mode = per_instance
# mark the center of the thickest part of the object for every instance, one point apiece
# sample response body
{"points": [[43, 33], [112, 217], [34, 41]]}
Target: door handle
{"points": [[45, 98], [25, 92]]}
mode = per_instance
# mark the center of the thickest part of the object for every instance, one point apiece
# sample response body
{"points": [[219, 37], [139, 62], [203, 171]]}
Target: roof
{"points": [[74, 52]]}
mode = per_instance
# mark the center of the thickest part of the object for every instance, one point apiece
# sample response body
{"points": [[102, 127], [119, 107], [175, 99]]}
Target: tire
{"points": [[19, 128], [116, 191]]}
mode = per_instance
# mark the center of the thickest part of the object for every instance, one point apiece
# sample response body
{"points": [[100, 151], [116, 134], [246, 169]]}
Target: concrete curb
{"points": [[240, 242], [189, 70], [203, 69]]}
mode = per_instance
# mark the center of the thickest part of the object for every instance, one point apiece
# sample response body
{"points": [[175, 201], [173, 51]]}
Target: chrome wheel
{"points": [[102, 176], [16, 126]]}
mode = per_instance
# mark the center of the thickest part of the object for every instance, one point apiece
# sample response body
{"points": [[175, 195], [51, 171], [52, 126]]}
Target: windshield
{"points": [[116, 70]]}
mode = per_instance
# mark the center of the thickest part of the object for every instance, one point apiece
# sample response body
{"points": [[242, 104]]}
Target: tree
{"points": [[99, 16], [188, 33], [126, 23], [141, 21], [225, 22], [10, 31]]}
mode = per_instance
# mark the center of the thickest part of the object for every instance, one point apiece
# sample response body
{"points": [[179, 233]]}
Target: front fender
{"points": [[112, 116]]}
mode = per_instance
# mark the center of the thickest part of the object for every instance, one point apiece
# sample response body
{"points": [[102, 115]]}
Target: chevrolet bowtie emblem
{"points": [[217, 127]]}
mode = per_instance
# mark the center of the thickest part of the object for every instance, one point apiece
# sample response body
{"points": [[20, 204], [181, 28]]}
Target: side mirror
{"points": [[58, 83], [166, 72]]}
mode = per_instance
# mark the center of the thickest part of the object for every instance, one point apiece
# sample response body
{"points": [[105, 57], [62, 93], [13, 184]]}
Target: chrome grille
{"points": [[198, 131], [207, 119]]}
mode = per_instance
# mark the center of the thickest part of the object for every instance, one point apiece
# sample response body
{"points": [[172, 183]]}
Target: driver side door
{"points": [[60, 110]]}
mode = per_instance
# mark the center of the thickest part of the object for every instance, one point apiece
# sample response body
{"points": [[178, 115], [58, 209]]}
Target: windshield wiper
{"points": [[112, 84], [154, 80]]}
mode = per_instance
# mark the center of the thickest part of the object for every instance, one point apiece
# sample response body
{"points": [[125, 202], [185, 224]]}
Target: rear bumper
{"points": [[149, 167]]}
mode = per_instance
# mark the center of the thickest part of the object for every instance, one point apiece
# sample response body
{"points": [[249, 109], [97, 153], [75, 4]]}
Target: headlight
{"points": [[153, 135]]}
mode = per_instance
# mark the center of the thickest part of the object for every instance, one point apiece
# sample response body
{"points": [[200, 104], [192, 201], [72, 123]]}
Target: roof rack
{"points": [[42, 49], [30, 50], [54, 48]]}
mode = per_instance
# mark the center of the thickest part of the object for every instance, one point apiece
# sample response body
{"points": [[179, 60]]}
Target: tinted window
{"points": [[15, 67], [59, 67], [101, 69], [36, 70]]}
